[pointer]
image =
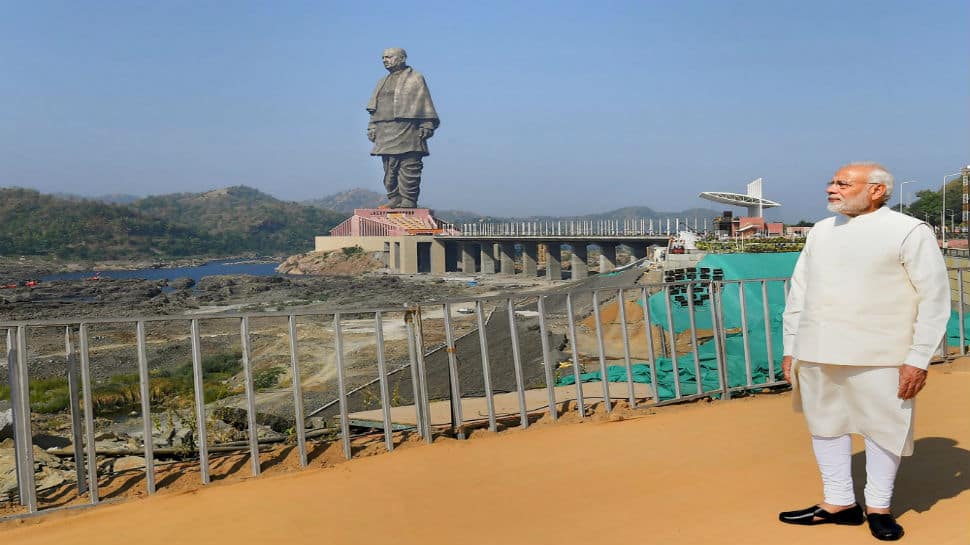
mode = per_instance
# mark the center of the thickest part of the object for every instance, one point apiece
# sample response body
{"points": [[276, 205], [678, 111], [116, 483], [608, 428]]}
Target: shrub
{"points": [[267, 378]]}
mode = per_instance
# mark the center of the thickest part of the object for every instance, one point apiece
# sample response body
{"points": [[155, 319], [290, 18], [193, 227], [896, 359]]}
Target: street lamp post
{"points": [[902, 193], [943, 211], [951, 213]]}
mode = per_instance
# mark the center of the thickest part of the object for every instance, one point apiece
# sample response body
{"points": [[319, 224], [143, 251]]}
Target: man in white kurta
{"points": [[868, 306]]}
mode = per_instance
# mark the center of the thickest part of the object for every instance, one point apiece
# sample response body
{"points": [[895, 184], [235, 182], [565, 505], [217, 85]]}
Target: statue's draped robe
{"points": [[400, 105]]}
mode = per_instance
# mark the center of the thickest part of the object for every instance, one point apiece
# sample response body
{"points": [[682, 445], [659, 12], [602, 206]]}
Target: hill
{"points": [[222, 222], [347, 201], [109, 198], [241, 218], [35, 224]]}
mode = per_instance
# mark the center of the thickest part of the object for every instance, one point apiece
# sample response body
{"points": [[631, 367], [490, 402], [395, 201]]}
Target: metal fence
{"points": [[520, 351], [584, 228]]}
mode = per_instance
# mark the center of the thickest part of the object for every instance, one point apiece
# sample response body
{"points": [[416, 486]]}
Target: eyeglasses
{"points": [[841, 184]]}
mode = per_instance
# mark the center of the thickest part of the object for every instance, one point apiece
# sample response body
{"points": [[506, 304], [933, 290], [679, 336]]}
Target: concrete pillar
{"points": [[530, 255], [488, 258], [607, 257], [468, 257], [553, 261], [439, 261], [409, 255], [507, 253], [639, 251], [577, 262]]}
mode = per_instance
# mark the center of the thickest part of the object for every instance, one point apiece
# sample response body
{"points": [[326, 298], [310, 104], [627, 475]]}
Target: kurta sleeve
{"points": [[921, 257], [795, 300]]}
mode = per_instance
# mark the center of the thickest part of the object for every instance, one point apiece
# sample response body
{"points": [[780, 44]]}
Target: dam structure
{"points": [[414, 241]]}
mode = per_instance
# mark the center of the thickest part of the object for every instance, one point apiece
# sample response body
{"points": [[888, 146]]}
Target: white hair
{"points": [[877, 175]]}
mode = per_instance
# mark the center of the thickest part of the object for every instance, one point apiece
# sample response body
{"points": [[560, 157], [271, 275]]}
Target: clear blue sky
{"points": [[546, 107]]}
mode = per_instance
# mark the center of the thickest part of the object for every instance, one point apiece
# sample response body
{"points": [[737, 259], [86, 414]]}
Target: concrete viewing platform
{"points": [[412, 240]]}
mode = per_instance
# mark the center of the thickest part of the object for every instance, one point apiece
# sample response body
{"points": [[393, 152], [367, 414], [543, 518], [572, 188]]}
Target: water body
{"points": [[195, 273]]}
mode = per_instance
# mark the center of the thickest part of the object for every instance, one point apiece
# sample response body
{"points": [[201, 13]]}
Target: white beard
{"points": [[850, 207]]}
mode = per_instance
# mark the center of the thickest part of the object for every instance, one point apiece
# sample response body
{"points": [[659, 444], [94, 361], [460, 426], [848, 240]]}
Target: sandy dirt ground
{"points": [[714, 472]]}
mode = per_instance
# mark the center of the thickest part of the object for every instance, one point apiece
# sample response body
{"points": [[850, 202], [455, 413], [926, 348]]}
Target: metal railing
{"points": [[671, 325], [583, 228]]}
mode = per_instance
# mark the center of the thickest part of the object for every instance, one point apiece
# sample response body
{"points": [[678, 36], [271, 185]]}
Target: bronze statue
{"points": [[402, 119]]}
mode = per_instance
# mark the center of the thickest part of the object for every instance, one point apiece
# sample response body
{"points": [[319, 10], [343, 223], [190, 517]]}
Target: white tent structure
{"points": [[753, 200]]}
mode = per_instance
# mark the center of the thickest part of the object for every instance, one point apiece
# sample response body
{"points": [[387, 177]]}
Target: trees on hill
{"points": [[227, 222]]}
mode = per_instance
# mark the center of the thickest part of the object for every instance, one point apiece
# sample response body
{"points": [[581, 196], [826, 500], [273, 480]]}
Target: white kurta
{"points": [[868, 294]]}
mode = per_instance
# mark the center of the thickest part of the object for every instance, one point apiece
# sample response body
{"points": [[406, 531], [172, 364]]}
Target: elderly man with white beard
{"points": [[868, 305]]}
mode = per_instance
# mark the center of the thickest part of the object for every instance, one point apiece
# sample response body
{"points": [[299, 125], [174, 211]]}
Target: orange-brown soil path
{"points": [[700, 473]]}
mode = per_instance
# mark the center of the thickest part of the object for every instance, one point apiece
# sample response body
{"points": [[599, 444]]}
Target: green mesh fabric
{"points": [[735, 267]]}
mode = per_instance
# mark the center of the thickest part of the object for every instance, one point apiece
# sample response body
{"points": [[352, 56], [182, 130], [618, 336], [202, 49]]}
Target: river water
{"points": [[195, 273]]}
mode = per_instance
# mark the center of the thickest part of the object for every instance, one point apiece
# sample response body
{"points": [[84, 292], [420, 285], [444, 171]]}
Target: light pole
{"points": [[902, 193], [943, 211]]}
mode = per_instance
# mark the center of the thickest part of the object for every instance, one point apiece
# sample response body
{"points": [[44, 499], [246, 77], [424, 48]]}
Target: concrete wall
{"points": [[403, 250]]}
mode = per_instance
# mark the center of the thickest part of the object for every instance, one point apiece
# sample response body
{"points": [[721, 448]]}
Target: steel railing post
{"points": [[547, 360], [717, 326], [486, 368], [573, 341], [457, 421], [744, 332], [146, 408], [422, 373], [412, 358], [91, 448], [698, 378], [767, 317], [341, 386], [672, 335], [382, 377], [298, 416], [517, 365], [626, 348], [247, 357], [605, 379], [198, 388], [960, 313], [651, 358], [75, 400]]}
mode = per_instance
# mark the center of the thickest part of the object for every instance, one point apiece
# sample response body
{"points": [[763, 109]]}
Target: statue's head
{"points": [[394, 58]]}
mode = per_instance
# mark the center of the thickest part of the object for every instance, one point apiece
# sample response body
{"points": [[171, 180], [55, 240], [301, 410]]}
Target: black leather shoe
{"points": [[816, 515], [883, 526]]}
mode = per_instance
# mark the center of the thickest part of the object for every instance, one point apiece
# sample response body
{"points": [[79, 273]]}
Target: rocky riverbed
{"points": [[113, 351]]}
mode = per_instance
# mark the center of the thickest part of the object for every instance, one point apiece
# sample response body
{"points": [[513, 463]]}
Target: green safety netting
{"points": [[735, 267]]}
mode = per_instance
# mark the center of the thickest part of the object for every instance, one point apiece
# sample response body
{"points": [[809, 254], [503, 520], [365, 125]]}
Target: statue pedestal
{"points": [[390, 222]]}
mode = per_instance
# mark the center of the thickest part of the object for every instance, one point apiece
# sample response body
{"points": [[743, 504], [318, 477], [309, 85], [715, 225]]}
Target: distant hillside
{"points": [[110, 198], [637, 212], [241, 218], [347, 201], [217, 223], [35, 224]]}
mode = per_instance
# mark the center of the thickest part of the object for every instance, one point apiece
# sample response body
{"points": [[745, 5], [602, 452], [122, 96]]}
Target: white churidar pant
{"points": [[834, 457]]}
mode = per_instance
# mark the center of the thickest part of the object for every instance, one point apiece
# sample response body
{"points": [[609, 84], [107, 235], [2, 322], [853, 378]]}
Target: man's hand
{"points": [[786, 368], [371, 134], [425, 134], [911, 381]]}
